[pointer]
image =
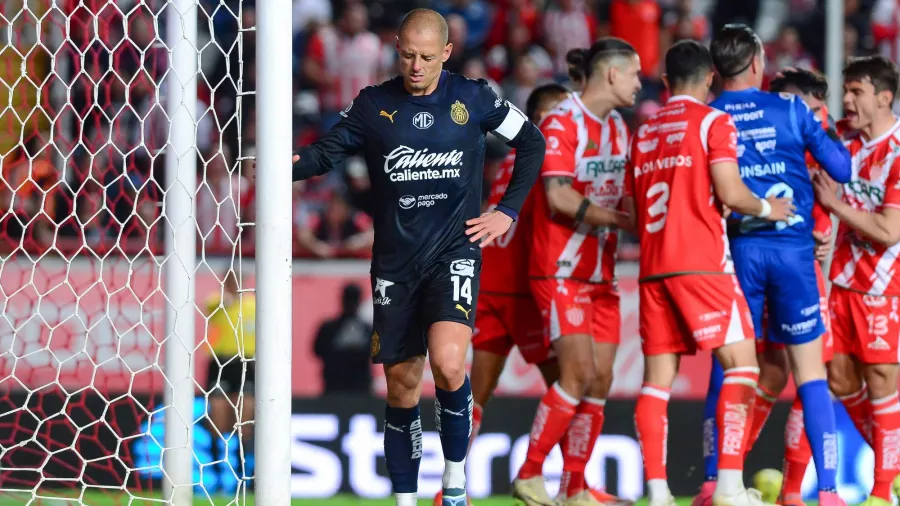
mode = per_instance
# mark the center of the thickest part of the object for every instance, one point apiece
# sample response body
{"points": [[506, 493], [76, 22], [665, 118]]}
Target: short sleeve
{"points": [[892, 187], [722, 140], [497, 115], [562, 141]]}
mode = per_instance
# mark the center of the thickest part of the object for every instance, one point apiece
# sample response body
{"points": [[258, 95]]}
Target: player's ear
{"points": [[397, 43], [884, 98], [448, 49], [709, 79]]}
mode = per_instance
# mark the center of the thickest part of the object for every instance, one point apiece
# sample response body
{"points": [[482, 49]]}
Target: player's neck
{"points": [[598, 104], [737, 84], [879, 126], [698, 93]]}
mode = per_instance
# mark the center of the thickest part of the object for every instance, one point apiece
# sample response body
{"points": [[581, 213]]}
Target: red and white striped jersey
{"points": [[352, 62], [504, 262], [860, 264], [591, 151], [669, 178]]}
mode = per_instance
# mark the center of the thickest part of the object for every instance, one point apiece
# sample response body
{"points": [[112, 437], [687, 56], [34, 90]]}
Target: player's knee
{"points": [[842, 377], [448, 374], [577, 374], [403, 390], [881, 380]]}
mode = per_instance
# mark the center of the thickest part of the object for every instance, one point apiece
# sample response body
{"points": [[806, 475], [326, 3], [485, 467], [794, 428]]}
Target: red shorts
{"points": [[504, 321], [682, 314], [866, 326], [575, 307], [827, 338]]}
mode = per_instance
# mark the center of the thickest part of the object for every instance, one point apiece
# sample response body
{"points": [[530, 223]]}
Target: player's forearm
{"points": [[872, 225], [833, 156], [530, 147], [739, 199], [565, 200]]}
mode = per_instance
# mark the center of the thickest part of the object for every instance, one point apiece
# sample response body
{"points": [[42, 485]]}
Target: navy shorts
{"points": [[783, 279], [447, 290]]}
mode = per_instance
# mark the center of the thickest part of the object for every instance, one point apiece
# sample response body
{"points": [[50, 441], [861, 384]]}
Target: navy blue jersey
{"points": [[775, 130], [425, 156]]}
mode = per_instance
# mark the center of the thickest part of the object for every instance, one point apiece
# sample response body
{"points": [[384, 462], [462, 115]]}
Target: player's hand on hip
{"points": [[782, 208], [823, 245], [488, 227], [826, 190]]}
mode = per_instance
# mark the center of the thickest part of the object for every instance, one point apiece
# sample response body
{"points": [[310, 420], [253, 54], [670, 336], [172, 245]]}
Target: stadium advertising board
{"points": [[336, 446]]}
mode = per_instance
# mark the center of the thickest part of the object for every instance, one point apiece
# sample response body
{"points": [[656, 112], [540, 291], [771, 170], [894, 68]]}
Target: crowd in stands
{"points": [[100, 182]]}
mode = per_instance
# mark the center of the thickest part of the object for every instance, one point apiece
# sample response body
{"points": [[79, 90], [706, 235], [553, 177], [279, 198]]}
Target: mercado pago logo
{"points": [[319, 471]]}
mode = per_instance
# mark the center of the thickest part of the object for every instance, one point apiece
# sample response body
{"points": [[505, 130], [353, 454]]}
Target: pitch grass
{"points": [[107, 499]]}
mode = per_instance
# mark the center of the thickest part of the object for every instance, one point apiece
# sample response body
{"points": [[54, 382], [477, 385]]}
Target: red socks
{"points": [[651, 421], [762, 408], [578, 443], [886, 439], [860, 412], [797, 455], [733, 416], [554, 414]]}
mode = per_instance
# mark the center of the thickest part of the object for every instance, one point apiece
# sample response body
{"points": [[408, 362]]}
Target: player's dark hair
{"points": [[880, 71], [539, 97], [687, 62], [734, 48], [806, 81], [576, 58], [604, 50]]}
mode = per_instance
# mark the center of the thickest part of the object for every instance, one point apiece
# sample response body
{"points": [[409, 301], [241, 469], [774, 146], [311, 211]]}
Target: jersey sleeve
{"points": [[497, 115], [722, 140], [827, 150], [892, 187], [346, 139], [562, 141]]}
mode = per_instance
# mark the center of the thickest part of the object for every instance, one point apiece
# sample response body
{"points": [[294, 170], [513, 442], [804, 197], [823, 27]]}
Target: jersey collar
{"points": [[683, 98], [870, 143], [587, 111]]}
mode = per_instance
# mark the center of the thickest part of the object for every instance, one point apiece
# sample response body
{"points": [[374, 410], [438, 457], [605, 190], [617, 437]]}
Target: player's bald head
{"points": [[425, 20]]}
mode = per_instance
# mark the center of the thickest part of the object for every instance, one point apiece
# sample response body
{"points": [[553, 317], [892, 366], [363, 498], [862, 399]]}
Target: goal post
{"points": [[273, 254], [179, 214]]}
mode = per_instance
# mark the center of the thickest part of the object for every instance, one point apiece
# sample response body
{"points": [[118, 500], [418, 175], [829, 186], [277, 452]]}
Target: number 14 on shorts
{"points": [[461, 273]]}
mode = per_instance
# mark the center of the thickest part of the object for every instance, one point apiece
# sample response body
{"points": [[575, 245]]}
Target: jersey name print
{"points": [[669, 178], [591, 151], [861, 264]]}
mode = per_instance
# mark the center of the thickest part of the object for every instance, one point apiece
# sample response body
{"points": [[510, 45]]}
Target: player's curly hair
{"points": [[806, 81]]}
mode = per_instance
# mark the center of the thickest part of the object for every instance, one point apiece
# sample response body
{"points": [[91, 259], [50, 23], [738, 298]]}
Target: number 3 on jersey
{"points": [[658, 210]]}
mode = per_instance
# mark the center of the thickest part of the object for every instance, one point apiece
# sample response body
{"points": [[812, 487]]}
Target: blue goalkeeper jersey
{"points": [[775, 130]]}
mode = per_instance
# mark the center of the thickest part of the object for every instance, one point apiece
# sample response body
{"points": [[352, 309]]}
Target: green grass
{"points": [[109, 499]]}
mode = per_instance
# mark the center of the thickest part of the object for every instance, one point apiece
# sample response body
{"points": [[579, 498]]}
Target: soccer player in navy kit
{"points": [[423, 136]]}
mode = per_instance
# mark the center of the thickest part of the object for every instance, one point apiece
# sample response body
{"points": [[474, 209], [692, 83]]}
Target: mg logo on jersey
{"points": [[407, 164], [423, 120]]}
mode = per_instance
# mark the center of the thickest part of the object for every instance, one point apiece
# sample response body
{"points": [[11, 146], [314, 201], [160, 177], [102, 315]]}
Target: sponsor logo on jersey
{"points": [[676, 126], [741, 106], [407, 201], [766, 169], [864, 190], [809, 310], [669, 162], [458, 113], [406, 164], [648, 145], [595, 168], [875, 300], [765, 147], [429, 200], [748, 116], [759, 133], [423, 120], [646, 129], [676, 138], [390, 116]]}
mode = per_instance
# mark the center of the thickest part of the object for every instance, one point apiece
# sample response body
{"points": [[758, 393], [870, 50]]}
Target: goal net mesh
{"points": [[84, 132]]}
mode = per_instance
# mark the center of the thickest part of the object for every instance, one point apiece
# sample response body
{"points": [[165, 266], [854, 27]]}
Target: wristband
{"points": [[766, 209], [582, 209]]}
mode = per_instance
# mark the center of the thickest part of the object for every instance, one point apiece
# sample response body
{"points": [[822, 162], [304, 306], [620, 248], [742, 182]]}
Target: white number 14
{"points": [[464, 291]]}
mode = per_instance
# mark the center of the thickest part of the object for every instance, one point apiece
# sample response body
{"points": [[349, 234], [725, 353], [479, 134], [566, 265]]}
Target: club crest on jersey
{"points": [[458, 113]]}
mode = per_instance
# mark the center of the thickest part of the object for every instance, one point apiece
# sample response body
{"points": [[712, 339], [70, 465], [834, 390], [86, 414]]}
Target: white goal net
{"points": [[126, 353]]}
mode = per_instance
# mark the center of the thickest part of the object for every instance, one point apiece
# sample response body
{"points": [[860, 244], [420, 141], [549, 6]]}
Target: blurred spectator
{"points": [[513, 14], [812, 29], [474, 68], [476, 13], [567, 25], [342, 60], [27, 201], [335, 231], [309, 13], [683, 22], [501, 58], [639, 23], [786, 51], [885, 25], [525, 78], [458, 34], [343, 345], [220, 190]]}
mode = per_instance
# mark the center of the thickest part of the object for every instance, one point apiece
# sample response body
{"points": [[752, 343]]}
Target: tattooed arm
{"points": [[564, 199]]}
